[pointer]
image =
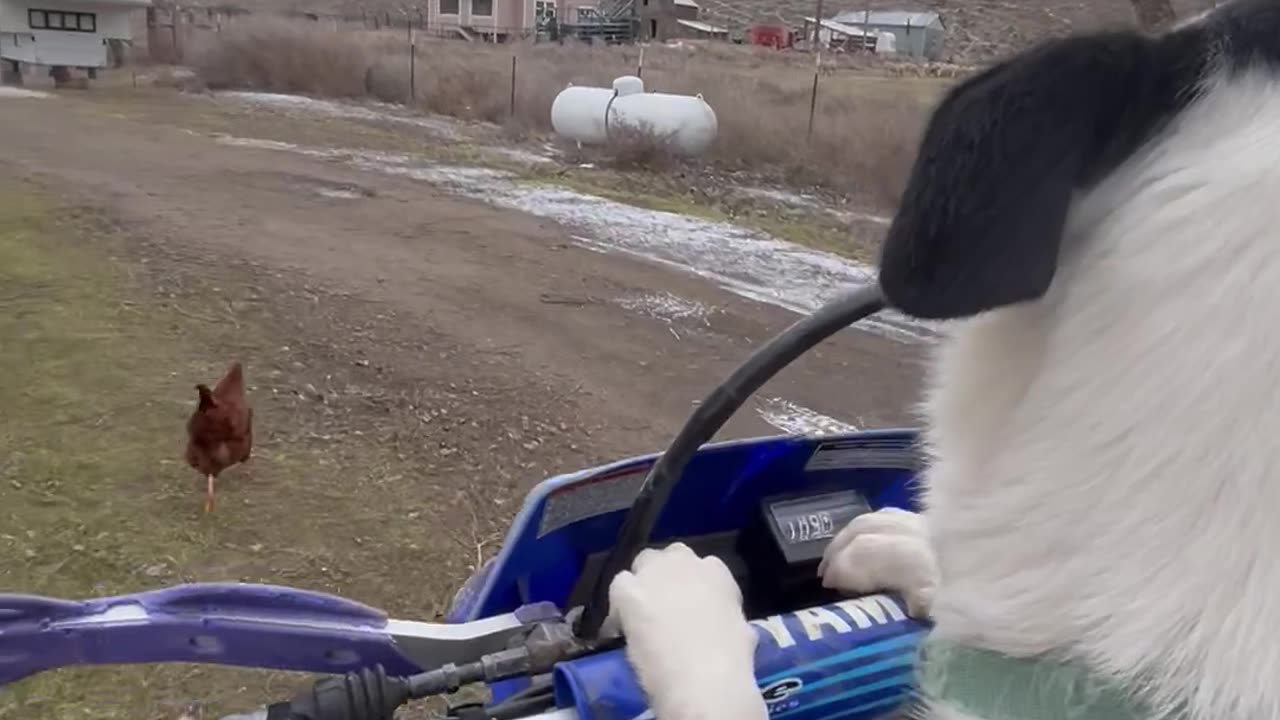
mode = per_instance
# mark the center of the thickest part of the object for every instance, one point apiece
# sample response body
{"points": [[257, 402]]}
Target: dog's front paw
{"points": [[687, 639], [887, 550]]}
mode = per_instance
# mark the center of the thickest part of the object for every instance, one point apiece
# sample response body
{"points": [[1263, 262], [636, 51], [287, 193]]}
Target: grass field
{"points": [[100, 347]]}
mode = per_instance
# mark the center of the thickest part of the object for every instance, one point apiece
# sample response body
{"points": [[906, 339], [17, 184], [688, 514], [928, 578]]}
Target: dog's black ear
{"points": [[982, 215]]}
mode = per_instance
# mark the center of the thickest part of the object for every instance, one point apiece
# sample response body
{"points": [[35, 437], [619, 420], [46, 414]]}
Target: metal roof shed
{"points": [[917, 34]]}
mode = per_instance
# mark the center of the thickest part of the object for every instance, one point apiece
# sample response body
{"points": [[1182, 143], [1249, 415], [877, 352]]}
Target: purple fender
{"points": [[262, 626]]}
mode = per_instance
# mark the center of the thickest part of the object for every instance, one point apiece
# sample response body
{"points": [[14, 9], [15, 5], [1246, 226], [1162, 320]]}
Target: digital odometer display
{"points": [[811, 521], [816, 525]]}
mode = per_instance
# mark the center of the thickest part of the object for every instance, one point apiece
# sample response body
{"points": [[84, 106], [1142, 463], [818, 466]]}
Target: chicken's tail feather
{"points": [[206, 397], [233, 382]]}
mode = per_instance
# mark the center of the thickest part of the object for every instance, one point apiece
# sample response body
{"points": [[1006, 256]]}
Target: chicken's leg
{"points": [[208, 494]]}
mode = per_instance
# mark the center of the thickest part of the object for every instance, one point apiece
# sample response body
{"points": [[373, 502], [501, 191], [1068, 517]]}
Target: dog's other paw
{"points": [[887, 550], [687, 637]]}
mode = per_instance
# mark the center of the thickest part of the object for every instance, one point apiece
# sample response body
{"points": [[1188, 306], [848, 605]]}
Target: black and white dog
{"points": [[1100, 215]]}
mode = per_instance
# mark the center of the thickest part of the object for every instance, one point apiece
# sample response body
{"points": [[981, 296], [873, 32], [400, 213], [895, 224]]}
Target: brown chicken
{"points": [[220, 431]]}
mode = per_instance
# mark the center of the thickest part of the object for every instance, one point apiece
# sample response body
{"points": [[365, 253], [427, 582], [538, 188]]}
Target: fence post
{"points": [[176, 15], [640, 63], [813, 96], [513, 86], [817, 27], [413, 71]]}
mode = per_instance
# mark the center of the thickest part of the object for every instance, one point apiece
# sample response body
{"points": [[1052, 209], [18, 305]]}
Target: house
{"points": [[62, 34], [606, 21], [669, 19], [916, 34], [837, 36], [498, 21]]}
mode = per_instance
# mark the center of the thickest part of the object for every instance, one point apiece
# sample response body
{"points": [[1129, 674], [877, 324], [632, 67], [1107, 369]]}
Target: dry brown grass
{"points": [[865, 126]]}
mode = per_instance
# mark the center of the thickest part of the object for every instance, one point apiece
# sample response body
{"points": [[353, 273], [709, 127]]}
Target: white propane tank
{"points": [[588, 114]]}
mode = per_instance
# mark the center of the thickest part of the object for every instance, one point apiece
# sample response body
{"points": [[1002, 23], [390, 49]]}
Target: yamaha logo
{"points": [[781, 690]]}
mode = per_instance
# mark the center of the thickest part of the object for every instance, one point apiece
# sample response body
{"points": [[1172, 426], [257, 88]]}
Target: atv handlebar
{"points": [[711, 415], [372, 695]]}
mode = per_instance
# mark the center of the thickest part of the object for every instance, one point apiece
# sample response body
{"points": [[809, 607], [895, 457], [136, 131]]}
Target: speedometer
{"points": [[804, 525]]}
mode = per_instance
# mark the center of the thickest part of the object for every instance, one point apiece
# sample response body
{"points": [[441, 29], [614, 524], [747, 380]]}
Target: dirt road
{"points": [[388, 324], [483, 277]]}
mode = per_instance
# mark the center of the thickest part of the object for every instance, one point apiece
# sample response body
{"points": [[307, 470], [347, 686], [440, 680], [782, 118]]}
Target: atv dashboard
{"points": [[766, 507], [775, 557]]}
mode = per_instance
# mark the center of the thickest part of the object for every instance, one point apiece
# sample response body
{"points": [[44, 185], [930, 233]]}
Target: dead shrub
{"points": [[640, 147], [277, 56]]}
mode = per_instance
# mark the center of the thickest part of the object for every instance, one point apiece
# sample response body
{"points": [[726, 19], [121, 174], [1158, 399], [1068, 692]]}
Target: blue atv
{"points": [[526, 624]]}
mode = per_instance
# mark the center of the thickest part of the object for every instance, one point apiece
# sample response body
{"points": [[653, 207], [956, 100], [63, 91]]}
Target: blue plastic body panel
{"points": [[720, 491], [851, 660]]}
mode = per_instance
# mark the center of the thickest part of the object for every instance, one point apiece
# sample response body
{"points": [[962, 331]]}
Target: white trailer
{"points": [[62, 34]]}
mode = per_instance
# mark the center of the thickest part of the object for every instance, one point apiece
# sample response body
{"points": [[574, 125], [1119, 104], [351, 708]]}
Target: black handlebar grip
{"points": [[366, 695]]}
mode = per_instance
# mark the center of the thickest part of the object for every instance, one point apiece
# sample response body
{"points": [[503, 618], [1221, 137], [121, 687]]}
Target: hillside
{"points": [[976, 29]]}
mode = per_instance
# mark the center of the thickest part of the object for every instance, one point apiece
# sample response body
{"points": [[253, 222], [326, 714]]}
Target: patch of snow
{"points": [[8, 91], [782, 196], [259, 143], [665, 306], [798, 420], [800, 200], [519, 155], [378, 112], [746, 262], [850, 216], [339, 193]]}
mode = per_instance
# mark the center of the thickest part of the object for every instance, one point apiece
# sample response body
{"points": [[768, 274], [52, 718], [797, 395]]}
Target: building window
{"points": [[448, 7], [483, 8], [544, 13], [60, 20]]}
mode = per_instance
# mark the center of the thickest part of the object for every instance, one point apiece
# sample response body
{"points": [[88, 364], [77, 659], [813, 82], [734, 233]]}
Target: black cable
{"points": [[705, 422]]}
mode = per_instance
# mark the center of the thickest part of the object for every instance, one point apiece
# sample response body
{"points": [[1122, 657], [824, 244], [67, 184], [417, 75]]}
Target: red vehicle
{"points": [[774, 36]]}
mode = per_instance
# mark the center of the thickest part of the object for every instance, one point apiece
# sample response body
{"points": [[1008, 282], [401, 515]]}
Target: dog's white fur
{"points": [[1106, 460], [687, 638]]}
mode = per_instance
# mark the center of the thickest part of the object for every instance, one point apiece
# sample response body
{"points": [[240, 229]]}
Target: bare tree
{"points": [[1153, 14]]}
